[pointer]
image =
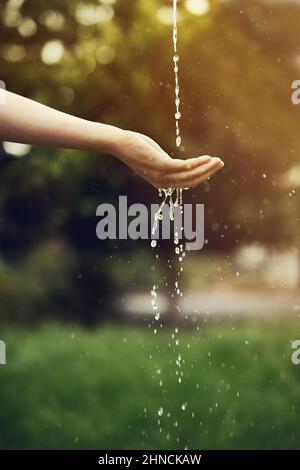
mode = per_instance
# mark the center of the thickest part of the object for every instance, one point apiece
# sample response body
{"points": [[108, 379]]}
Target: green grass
{"points": [[64, 388]]}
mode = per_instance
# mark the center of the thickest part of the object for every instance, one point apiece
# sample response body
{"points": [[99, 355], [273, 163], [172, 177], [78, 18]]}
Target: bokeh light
{"points": [[16, 150], [198, 7], [52, 52]]}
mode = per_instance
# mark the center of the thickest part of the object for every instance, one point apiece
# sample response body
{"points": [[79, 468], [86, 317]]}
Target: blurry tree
{"points": [[111, 61]]}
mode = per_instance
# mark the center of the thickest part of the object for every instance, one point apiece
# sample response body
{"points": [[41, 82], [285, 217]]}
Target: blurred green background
{"points": [[86, 367]]}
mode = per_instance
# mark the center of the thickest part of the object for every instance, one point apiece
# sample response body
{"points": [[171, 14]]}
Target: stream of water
{"points": [[172, 197]]}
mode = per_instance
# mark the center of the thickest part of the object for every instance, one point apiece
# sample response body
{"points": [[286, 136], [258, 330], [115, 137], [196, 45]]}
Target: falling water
{"points": [[176, 69], [168, 193], [172, 197]]}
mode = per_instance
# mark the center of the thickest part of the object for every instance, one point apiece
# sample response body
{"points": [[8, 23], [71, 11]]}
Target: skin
{"points": [[25, 121]]}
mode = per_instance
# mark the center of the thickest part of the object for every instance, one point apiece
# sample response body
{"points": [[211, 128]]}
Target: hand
{"points": [[150, 161], [26, 121]]}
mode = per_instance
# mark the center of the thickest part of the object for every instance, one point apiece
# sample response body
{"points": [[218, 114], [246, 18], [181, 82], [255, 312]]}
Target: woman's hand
{"points": [[25, 121], [150, 161]]}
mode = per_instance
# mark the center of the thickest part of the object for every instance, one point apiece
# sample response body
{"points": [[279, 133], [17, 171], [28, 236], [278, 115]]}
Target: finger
{"points": [[179, 165], [203, 178], [199, 180], [190, 183], [183, 178]]}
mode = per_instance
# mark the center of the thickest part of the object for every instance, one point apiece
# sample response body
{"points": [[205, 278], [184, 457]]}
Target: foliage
{"points": [[63, 388], [237, 64]]}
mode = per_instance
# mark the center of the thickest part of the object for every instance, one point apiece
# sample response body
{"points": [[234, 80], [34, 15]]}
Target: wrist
{"points": [[111, 139]]}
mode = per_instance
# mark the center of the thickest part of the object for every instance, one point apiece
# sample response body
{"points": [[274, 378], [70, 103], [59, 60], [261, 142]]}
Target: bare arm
{"points": [[25, 121]]}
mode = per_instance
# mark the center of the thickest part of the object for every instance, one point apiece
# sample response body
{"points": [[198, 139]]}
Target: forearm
{"points": [[25, 121]]}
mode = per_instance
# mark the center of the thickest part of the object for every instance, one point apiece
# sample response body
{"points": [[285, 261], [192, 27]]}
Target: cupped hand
{"points": [[149, 160]]}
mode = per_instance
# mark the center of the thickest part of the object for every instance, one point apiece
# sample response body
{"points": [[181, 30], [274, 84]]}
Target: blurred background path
{"points": [[222, 301]]}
